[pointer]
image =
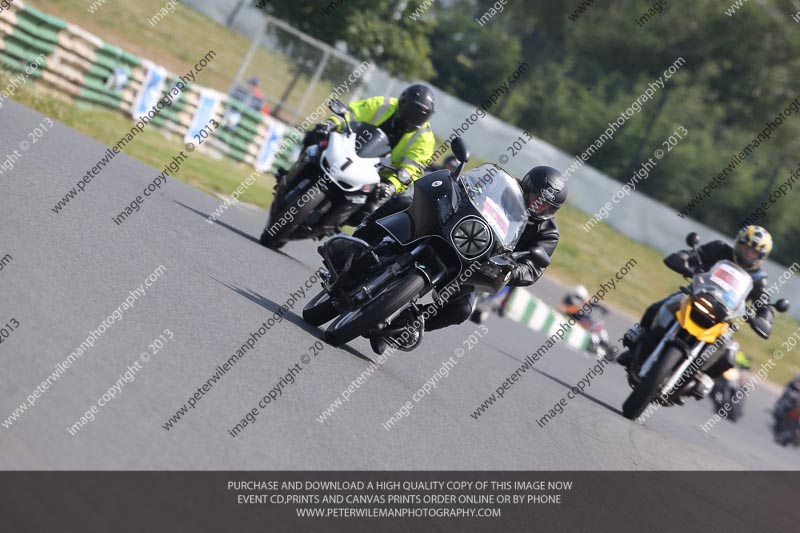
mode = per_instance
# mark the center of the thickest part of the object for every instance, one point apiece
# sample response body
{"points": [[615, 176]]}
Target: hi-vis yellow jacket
{"points": [[414, 150]]}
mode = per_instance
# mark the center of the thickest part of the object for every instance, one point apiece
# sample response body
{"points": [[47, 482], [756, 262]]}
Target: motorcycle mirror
{"points": [[692, 240], [540, 257], [460, 150], [781, 305], [338, 107]]}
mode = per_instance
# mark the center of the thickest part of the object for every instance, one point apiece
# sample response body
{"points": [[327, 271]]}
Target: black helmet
{"points": [[415, 106], [545, 191]]}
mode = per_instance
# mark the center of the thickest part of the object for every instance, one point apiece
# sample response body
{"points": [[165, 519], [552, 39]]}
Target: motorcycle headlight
{"points": [[704, 306], [705, 311], [471, 237]]}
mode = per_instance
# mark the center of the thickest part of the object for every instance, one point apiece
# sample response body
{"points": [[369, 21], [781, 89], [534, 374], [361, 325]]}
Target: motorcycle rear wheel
{"points": [[355, 323]]}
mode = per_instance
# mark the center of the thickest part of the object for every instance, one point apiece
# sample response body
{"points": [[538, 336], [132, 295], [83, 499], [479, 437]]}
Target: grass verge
{"points": [[153, 146], [181, 38]]}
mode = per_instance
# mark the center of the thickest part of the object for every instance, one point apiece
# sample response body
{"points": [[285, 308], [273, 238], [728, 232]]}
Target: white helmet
{"points": [[581, 292]]}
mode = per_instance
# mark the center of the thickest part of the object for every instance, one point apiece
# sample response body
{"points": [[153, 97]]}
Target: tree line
{"points": [[588, 64]]}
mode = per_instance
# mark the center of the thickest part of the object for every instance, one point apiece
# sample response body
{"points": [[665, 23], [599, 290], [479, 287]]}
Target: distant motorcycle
{"points": [[786, 418], [725, 389], [728, 385], [787, 428], [593, 323], [598, 338], [330, 182]]}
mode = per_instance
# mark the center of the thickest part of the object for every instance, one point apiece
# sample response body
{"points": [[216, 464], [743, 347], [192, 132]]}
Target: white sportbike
{"points": [[330, 182]]}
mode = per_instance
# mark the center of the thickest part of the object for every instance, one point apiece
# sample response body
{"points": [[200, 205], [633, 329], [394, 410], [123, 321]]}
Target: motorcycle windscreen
{"points": [[371, 141], [729, 284], [498, 198]]}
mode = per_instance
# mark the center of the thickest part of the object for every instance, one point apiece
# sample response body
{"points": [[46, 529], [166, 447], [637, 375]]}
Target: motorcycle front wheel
{"points": [[355, 323], [647, 390], [282, 223], [319, 310]]}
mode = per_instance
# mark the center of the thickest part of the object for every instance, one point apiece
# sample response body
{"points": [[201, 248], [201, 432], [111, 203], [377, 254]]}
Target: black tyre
{"points": [[319, 310], [716, 401], [283, 224], [735, 412], [737, 408], [783, 437], [478, 316], [647, 390], [359, 321]]}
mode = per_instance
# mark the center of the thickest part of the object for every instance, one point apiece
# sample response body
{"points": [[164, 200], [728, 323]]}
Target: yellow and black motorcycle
{"points": [[688, 330]]}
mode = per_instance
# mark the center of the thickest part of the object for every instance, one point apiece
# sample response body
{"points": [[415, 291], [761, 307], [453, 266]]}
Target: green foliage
{"points": [[472, 60], [740, 72], [370, 29]]}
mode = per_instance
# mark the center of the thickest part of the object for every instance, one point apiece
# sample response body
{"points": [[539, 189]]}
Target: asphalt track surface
{"points": [[71, 270]]}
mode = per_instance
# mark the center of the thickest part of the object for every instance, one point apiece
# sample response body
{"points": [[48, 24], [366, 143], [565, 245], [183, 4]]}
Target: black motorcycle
{"points": [[460, 229], [786, 419], [329, 182]]}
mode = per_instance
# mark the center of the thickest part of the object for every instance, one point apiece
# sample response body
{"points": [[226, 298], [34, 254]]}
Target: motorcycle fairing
{"points": [[432, 202], [351, 162], [399, 226], [710, 335]]}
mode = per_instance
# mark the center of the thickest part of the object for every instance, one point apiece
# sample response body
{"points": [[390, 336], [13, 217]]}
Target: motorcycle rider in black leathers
{"points": [[545, 191], [790, 399], [751, 248]]}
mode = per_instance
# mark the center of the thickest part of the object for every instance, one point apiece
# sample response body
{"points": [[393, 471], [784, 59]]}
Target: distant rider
{"points": [[579, 306], [789, 400]]}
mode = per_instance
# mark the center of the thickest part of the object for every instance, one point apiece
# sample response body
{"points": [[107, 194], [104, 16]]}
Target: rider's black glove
{"points": [[761, 325], [383, 191], [319, 133], [679, 262], [323, 128]]}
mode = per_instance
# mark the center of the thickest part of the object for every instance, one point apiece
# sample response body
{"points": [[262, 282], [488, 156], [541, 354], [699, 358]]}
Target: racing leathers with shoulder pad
{"points": [[543, 234]]}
